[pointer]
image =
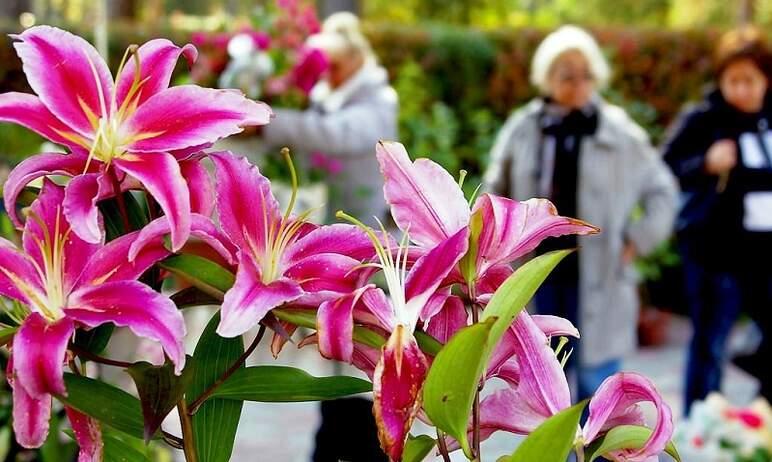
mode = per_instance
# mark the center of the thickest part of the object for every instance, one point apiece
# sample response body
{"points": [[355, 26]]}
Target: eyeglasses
{"points": [[574, 78]]}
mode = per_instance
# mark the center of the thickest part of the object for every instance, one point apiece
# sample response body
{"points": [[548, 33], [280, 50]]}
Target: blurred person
{"points": [[594, 163], [352, 108], [721, 152]]}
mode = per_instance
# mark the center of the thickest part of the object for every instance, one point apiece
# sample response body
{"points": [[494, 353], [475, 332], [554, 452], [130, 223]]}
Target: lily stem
{"points": [[442, 446], [174, 441], [98, 359], [119, 198], [220, 380], [188, 444], [476, 405]]}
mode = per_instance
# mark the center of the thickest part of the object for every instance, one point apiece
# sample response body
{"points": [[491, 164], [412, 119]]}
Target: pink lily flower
{"points": [[427, 200], [281, 259], [401, 369], [66, 283], [135, 126], [538, 390]]}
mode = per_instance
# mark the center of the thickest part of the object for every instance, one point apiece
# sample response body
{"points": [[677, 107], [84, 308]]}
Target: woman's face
{"points": [[743, 85], [342, 67], [570, 80]]}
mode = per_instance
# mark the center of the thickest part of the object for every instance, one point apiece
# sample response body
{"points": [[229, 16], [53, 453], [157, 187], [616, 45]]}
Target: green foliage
{"points": [[282, 384], [552, 440], [624, 437], [215, 423]]}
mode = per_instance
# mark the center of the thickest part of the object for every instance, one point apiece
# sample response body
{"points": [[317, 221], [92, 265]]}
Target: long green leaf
{"points": [[519, 288], [624, 437], [106, 403], [552, 440], [205, 274], [215, 423], [417, 448], [281, 384], [453, 378]]}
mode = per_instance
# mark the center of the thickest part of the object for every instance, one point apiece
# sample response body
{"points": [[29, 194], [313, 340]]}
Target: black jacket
{"points": [[710, 224]]}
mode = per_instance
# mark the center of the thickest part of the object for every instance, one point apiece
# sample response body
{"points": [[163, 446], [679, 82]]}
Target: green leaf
{"points": [[94, 340], [552, 440], [106, 403], [453, 379], [215, 423], [54, 449], [120, 448], [427, 343], [6, 334], [159, 391], [205, 274], [624, 437], [281, 384], [512, 296], [468, 263], [417, 448]]}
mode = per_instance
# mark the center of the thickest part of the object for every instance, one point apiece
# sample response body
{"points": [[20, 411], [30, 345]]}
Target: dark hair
{"points": [[746, 42]]}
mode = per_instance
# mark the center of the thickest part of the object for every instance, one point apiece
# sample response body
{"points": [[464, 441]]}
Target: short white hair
{"points": [[568, 38], [341, 34]]}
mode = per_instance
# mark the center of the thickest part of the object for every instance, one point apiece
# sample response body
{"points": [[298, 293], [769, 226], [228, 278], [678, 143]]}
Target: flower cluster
{"points": [[136, 140], [718, 431]]}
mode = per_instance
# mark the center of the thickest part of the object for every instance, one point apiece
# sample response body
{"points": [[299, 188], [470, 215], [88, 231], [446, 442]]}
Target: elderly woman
{"points": [[352, 109], [721, 151], [593, 162]]}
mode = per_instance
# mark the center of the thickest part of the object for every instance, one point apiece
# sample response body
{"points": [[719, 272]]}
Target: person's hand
{"points": [[629, 253], [721, 157]]}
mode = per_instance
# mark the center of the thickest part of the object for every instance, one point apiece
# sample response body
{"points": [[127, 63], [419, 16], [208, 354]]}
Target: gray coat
{"points": [[618, 171], [345, 124]]}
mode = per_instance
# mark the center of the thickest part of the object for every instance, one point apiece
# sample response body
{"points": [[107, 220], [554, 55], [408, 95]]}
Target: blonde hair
{"points": [[341, 34], [568, 38]]}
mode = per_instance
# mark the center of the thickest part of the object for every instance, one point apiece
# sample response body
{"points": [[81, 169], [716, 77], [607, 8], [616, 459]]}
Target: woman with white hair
{"points": [[594, 163], [351, 110]]}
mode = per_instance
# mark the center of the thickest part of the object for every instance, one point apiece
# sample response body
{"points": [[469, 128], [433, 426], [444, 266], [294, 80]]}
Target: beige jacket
{"points": [[618, 172]]}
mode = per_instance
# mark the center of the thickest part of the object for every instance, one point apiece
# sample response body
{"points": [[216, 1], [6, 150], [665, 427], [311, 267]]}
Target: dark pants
{"points": [[714, 305], [757, 300], [348, 432], [561, 298]]}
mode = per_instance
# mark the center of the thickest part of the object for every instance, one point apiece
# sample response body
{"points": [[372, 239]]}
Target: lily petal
{"points": [[48, 210], [614, 398], [160, 174], [28, 111], [88, 434], [249, 300], [397, 382], [428, 273], [201, 227], [68, 75], [113, 263], [157, 59], [555, 326], [511, 229], [18, 277], [38, 349], [80, 206], [247, 227], [341, 239], [134, 305], [425, 200], [188, 115], [200, 186], [36, 167], [449, 320], [31, 416], [326, 272], [335, 326]]}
